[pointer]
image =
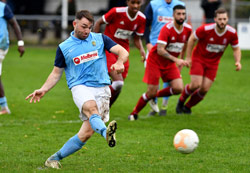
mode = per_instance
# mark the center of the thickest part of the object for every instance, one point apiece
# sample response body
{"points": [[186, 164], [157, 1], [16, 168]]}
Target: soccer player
{"points": [[6, 16], [163, 58], [121, 24], [158, 13], [212, 42], [82, 56]]}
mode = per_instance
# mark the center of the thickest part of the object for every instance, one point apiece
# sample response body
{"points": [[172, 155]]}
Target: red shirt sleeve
{"points": [[200, 32], [234, 42], [109, 16], [163, 36], [141, 27]]}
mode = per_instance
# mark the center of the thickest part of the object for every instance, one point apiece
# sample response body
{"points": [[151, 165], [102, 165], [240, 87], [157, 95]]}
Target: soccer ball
{"points": [[186, 141]]}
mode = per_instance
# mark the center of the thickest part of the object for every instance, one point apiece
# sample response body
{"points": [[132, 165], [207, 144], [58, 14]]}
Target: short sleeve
{"points": [[108, 42], [108, 17], [59, 59], [235, 41], [141, 27], [163, 36], [199, 33], [8, 13]]}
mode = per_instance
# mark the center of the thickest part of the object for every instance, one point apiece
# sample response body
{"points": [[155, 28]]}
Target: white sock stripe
{"points": [[201, 96], [144, 96], [117, 84], [171, 91], [186, 91]]}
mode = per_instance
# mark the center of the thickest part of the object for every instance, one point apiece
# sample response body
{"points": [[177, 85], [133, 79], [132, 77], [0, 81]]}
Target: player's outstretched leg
{"points": [[71, 146]]}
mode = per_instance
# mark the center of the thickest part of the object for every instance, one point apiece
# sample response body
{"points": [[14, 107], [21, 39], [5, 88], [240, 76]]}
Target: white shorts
{"points": [[2, 56], [101, 96]]}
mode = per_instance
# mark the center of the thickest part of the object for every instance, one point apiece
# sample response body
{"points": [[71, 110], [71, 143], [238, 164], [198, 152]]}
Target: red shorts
{"points": [[153, 74], [202, 68], [112, 58]]}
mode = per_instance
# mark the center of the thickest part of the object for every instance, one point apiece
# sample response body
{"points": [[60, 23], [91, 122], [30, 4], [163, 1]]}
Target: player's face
{"points": [[82, 28], [221, 20], [168, 1], [134, 5], [179, 16]]}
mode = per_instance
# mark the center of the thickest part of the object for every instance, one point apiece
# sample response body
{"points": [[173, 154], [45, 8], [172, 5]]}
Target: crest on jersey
{"points": [[184, 38], [135, 26], [93, 43]]}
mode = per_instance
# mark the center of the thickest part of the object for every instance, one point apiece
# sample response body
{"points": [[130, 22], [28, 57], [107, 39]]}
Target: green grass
{"points": [[35, 131]]}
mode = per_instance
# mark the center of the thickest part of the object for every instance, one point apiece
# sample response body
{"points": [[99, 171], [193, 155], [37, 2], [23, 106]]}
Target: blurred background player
{"points": [[87, 78], [121, 24], [212, 42], [158, 13], [209, 7], [162, 60], [6, 16]]}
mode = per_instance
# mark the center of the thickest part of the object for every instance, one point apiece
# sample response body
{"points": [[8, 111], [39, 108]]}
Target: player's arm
{"points": [[117, 49], [138, 44], [51, 81], [9, 16], [97, 26], [149, 17], [191, 41], [237, 57], [161, 50]]}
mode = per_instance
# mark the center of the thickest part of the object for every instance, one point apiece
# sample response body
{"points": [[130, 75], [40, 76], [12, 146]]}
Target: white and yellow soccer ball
{"points": [[186, 141]]}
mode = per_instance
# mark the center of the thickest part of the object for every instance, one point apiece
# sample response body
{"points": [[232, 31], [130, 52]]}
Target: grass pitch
{"points": [[35, 131]]}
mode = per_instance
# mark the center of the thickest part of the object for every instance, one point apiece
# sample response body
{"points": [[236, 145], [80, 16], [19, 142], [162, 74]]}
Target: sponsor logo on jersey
{"points": [[216, 48], [86, 57], [123, 34], [164, 19], [175, 47]]}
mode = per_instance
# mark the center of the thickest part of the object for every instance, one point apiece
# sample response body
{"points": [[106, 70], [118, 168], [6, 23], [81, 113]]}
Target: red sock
{"points": [[140, 104], [185, 94], [165, 92], [196, 97]]}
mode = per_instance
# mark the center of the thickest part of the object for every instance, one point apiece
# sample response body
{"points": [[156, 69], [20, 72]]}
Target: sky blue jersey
{"points": [[158, 13], [85, 61], [5, 15]]}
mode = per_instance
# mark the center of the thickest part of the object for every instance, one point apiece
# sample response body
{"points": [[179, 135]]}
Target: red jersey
{"points": [[174, 41], [120, 26], [211, 44]]}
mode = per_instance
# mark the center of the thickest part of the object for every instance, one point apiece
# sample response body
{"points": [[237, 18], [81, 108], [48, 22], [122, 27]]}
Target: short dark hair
{"points": [[86, 14], [220, 11], [179, 7]]}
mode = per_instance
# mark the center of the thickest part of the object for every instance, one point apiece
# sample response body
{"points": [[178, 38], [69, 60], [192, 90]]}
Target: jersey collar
{"points": [[131, 19]]}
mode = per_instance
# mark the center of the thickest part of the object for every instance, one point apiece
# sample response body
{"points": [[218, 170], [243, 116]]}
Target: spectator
{"points": [[209, 7]]}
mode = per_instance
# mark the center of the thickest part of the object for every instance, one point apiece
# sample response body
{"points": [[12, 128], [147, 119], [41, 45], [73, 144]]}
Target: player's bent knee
{"points": [[117, 85], [177, 90]]}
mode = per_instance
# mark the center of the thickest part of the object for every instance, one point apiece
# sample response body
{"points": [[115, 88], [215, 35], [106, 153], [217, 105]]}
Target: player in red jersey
{"points": [[121, 24], [212, 42], [162, 60]]}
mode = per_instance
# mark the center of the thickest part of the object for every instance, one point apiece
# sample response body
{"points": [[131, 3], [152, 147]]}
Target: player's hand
{"points": [[118, 67], [180, 63], [21, 50], [143, 55], [36, 96], [238, 66], [149, 46]]}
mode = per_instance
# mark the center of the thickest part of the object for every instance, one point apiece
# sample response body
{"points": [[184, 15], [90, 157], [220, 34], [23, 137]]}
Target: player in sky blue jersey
{"points": [[83, 58], [158, 13], [6, 16]]}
